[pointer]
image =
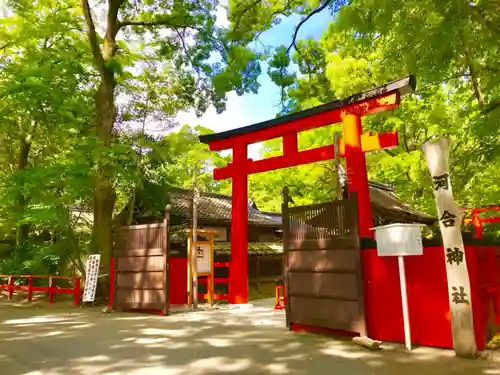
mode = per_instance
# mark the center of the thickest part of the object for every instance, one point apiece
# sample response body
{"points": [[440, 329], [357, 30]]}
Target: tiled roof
{"points": [[388, 208], [217, 208], [213, 208]]}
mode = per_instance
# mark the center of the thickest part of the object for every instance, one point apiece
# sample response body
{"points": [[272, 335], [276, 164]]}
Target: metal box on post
{"points": [[399, 240]]}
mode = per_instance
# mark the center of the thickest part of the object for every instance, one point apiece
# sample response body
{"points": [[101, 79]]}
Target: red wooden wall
{"points": [[427, 295], [178, 281]]}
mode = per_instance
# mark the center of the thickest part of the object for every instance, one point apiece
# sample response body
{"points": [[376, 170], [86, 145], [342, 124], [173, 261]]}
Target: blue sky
{"points": [[252, 108]]}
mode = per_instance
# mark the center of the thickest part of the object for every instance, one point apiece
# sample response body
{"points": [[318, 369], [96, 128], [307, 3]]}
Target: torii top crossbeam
{"points": [[352, 147]]}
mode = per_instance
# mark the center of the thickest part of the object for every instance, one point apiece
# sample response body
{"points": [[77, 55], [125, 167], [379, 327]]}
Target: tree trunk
{"points": [[104, 194], [22, 201]]}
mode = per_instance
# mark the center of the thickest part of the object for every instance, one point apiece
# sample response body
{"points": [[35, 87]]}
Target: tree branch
{"points": [[160, 22], [304, 20], [186, 52], [112, 28], [92, 35]]}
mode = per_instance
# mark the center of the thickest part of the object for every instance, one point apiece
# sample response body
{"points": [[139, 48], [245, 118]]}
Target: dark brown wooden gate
{"points": [[141, 267], [323, 279]]}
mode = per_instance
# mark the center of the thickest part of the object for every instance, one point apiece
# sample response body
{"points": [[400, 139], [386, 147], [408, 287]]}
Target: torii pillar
{"points": [[353, 146]]}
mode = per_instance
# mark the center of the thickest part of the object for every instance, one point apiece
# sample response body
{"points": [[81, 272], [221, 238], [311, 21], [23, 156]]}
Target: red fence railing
{"points": [[214, 280], [51, 289]]}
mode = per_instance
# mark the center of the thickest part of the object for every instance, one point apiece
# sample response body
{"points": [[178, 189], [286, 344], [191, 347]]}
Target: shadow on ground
{"points": [[252, 341]]}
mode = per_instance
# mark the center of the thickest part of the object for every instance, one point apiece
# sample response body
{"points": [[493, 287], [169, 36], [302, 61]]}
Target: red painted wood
{"points": [[178, 281], [383, 103], [356, 172], [10, 287], [222, 264], [241, 167], [477, 221], [30, 288], [290, 144], [77, 292], [427, 296], [111, 298], [487, 209], [478, 226], [369, 142], [238, 276], [279, 297], [219, 280], [383, 315], [202, 279], [491, 220], [479, 294], [50, 289]]}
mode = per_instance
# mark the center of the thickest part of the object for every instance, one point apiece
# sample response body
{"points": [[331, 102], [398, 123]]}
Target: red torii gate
{"points": [[477, 221], [353, 148]]}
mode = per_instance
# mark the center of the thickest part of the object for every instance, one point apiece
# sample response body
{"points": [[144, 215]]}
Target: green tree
{"points": [[167, 162], [181, 35], [453, 50], [46, 106], [45, 94]]}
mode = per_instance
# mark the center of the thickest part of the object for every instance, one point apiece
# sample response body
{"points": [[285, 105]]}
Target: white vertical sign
{"points": [[203, 258], [91, 275], [450, 219]]}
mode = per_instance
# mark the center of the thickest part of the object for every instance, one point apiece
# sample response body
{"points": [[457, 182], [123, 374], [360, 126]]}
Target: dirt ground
{"points": [[226, 341]]}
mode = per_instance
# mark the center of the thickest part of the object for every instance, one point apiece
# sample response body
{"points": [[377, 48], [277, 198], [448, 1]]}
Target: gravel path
{"points": [[236, 341]]}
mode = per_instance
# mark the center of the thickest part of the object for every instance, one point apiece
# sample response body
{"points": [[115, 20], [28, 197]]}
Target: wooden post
{"points": [[51, 290], [78, 290], [450, 218], [211, 283], [166, 267], [112, 279], [404, 302], [257, 271], [10, 287], [336, 165], [286, 239], [189, 280], [194, 259], [478, 227], [30, 288]]}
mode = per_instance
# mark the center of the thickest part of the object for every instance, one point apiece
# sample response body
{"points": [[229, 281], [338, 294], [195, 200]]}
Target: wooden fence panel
{"points": [[141, 270], [323, 277]]}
